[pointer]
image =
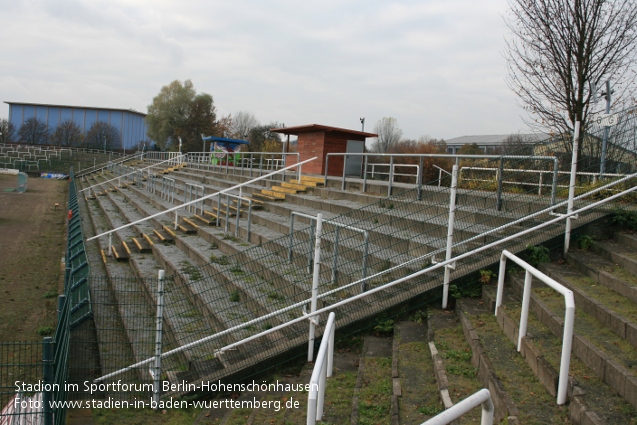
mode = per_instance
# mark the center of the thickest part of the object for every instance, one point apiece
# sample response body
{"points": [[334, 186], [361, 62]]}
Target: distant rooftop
{"points": [[76, 106], [496, 139], [311, 128]]}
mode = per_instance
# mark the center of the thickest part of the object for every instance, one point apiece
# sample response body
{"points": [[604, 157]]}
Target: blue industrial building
{"points": [[131, 124]]}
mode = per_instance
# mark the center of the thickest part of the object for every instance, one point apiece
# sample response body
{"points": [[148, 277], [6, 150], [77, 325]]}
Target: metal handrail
{"points": [[335, 254], [200, 158], [482, 397], [322, 370], [239, 198], [132, 172], [384, 287], [197, 200], [108, 164], [421, 158], [569, 315]]}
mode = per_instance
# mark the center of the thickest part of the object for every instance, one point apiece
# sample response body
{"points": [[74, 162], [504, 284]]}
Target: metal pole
{"points": [[48, 375], [344, 164], [156, 371], [291, 235], [315, 283], [391, 174], [110, 244], [365, 174], [498, 206], [420, 173], [571, 188], [452, 213], [61, 301], [602, 165], [335, 254]]}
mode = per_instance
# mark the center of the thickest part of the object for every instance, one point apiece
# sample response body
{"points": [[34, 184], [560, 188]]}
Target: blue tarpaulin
{"points": [[230, 145]]}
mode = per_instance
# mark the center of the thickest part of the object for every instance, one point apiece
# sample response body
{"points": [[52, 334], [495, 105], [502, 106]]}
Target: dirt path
{"points": [[31, 250]]}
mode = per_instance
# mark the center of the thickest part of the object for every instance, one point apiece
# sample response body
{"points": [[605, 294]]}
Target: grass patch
{"points": [[374, 399], [222, 261], [192, 271]]}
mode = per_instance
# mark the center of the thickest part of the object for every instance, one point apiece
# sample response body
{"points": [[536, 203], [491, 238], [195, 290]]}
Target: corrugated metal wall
{"points": [[131, 125]]}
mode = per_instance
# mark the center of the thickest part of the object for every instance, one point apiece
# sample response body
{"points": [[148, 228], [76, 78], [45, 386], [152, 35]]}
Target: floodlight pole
{"points": [[571, 188], [602, 164]]}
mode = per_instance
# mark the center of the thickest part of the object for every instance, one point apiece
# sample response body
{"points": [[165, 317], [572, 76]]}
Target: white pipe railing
{"points": [[482, 397], [382, 287], [434, 155], [569, 315], [127, 174], [338, 226], [322, 370], [150, 217], [238, 162]]}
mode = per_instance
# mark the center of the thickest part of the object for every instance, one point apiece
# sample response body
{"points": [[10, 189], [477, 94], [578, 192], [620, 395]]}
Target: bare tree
{"points": [[34, 132], [389, 134], [242, 123], [102, 135], [7, 131], [68, 133], [560, 49]]}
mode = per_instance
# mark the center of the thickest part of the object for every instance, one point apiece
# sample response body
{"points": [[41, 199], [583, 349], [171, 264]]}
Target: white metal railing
{"points": [[170, 158], [569, 315], [338, 226], [482, 397], [193, 191], [440, 171], [322, 370], [109, 163], [243, 163], [393, 173], [540, 184], [150, 217], [315, 296], [138, 170], [421, 158]]}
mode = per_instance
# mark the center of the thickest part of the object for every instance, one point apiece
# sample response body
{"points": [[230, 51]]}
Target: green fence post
{"points": [[61, 301], [47, 369]]}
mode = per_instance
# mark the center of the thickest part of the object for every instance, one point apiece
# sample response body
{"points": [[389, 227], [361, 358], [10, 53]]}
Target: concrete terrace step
{"points": [[593, 371]]}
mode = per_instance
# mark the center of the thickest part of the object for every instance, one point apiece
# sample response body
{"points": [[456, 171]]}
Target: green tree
{"points": [[34, 132], [7, 131], [201, 120], [261, 137], [68, 133], [178, 111], [102, 135]]}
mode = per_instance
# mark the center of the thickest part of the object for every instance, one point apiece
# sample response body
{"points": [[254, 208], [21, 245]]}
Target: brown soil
{"points": [[31, 250]]}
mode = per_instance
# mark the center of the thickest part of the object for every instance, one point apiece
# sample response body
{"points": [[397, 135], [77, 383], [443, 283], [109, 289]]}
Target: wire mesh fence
{"points": [[250, 290]]}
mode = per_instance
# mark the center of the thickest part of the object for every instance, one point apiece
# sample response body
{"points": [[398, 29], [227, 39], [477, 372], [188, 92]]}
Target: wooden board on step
{"points": [[256, 204], [120, 252], [188, 227], [142, 245], [165, 235], [212, 221]]}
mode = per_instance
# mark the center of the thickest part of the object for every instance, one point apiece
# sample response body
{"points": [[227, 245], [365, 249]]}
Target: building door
{"points": [[353, 164]]}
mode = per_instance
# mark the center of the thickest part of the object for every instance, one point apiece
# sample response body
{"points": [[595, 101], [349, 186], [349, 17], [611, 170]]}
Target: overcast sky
{"points": [[434, 65]]}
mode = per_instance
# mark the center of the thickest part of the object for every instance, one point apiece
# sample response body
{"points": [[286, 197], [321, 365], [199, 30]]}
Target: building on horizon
{"points": [[130, 123]]}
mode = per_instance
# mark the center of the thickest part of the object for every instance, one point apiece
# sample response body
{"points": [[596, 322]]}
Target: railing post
{"points": [[335, 254], [420, 173], [571, 188], [344, 166], [365, 174], [452, 213], [61, 301], [498, 205], [48, 375], [391, 174], [156, 370], [309, 251], [315, 283]]}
